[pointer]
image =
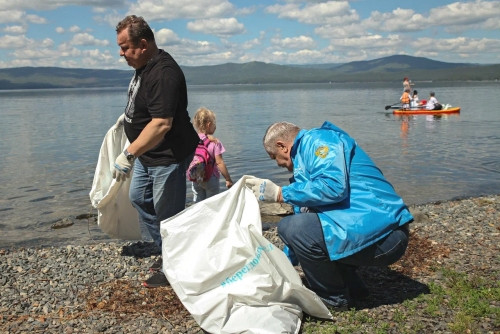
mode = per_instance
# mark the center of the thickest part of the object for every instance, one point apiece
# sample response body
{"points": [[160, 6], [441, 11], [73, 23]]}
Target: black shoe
{"points": [[330, 305], [156, 280], [156, 266], [357, 288], [141, 249]]}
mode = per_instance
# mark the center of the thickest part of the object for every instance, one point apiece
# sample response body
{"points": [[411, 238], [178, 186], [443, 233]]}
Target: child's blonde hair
{"points": [[201, 119]]}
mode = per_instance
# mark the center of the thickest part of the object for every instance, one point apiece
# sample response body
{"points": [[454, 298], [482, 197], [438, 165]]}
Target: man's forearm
{"points": [[151, 136]]}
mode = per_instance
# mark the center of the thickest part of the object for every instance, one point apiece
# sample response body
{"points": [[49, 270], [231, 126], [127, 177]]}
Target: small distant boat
{"points": [[450, 110]]}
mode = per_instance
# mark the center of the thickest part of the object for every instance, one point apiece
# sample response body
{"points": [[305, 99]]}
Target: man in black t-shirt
{"points": [[161, 135]]}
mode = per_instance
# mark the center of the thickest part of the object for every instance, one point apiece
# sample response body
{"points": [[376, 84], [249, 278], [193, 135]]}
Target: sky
{"points": [[81, 33]]}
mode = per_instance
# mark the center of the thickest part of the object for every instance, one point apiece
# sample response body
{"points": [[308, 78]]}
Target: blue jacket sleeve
{"points": [[320, 169]]}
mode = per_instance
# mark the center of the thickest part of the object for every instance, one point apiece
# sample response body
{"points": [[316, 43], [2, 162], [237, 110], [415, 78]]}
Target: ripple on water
{"points": [[42, 199], [16, 197]]}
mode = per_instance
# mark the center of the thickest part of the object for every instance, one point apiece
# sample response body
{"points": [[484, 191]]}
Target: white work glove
{"points": [[119, 121], [123, 166], [264, 189]]}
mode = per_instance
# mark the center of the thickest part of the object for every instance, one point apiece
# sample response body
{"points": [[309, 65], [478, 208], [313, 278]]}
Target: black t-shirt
{"points": [[158, 90]]}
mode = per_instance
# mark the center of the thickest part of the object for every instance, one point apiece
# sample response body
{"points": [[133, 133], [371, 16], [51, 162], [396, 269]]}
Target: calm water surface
{"points": [[51, 138]]}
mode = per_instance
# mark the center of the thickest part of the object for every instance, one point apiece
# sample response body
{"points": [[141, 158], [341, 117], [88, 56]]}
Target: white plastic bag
{"points": [[115, 214], [227, 275]]}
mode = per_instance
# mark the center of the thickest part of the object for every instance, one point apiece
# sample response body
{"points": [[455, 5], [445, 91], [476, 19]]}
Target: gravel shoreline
{"points": [[96, 288]]}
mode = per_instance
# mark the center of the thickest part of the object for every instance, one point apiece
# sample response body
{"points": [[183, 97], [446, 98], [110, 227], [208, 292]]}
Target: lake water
{"points": [[51, 138]]}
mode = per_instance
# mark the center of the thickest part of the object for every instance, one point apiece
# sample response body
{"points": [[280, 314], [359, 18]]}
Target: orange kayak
{"points": [[451, 110]]}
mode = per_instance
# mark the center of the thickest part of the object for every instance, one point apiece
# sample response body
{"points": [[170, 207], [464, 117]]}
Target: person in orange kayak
{"points": [[405, 99], [433, 103], [407, 84], [414, 103]]}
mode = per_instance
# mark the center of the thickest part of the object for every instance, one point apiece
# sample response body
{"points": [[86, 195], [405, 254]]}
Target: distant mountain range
{"points": [[386, 69]]}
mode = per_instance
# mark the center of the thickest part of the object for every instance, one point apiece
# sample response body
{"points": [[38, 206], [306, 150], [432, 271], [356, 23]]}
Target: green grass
{"points": [[462, 302]]}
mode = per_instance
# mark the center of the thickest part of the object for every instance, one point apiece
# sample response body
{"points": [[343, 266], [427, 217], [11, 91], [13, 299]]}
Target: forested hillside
{"points": [[387, 69]]}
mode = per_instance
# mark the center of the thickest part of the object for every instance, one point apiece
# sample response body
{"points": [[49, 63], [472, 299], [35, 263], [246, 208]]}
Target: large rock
{"points": [[275, 208]]}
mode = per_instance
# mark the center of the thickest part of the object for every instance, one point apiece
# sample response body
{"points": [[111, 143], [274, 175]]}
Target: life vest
{"points": [[405, 99]]}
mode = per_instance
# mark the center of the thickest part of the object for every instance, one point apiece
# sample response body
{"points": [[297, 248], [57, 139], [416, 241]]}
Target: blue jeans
{"points": [[203, 190], [335, 281], [158, 193]]}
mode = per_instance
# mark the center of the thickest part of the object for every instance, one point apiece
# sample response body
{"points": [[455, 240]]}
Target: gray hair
{"points": [[283, 131], [138, 29]]}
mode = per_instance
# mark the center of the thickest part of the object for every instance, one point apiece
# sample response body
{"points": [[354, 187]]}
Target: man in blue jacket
{"points": [[346, 214]]}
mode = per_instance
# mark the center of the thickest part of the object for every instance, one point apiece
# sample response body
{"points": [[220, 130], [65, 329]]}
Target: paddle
{"points": [[388, 107]]}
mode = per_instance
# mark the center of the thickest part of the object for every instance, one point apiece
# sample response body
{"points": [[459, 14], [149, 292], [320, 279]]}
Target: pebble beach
{"points": [[96, 287]]}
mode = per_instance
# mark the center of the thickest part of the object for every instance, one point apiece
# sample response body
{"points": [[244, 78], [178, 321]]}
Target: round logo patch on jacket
{"points": [[322, 152]]}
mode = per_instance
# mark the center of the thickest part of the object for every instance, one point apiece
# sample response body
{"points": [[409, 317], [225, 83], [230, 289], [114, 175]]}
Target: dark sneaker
{"points": [[156, 280], [334, 306], [357, 288], [156, 266], [141, 249]]}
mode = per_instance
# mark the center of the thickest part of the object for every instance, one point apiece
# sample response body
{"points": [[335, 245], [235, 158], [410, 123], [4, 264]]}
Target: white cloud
{"points": [[18, 16], [87, 39], [15, 29], [47, 43], [299, 42], [9, 16], [11, 42], [466, 47], [491, 24], [455, 18], [53, 4], [166, 37], [214, 58], [74, 29], [399, 20], [336, 12], [21, 62], [344, 31], [67, 50], [36, 55], [306, 57], [195, 53], [100, 10], [172, 9], [36, 19], [193, 48], [253, 43], [465, 13], [369, 42], [281, 31], [223, 27], [96, 58]]}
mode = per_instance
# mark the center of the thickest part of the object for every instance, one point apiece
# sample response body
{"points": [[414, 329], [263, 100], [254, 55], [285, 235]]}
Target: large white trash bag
{"points": [[115, 214], [227, 275]]}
